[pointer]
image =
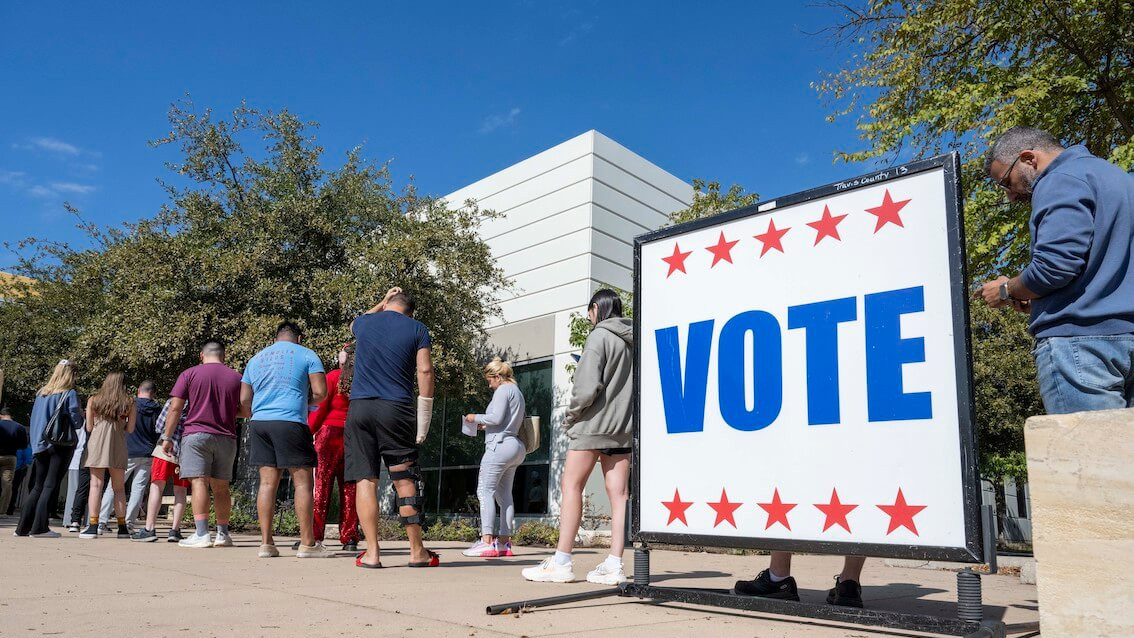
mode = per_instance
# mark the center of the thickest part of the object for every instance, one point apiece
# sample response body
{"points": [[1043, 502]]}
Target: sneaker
{"points": [[481, 549], [846, 593], [144, 536], [763, 587], [604, 574], [504, 550], [268, 551], [223, 540], [314, 551], [295, 545], [174, 536], [350, 547], [101, 529], [90, 532], [197, 542], [123, 531], [549, 571], [47, 534], [73, 527]]}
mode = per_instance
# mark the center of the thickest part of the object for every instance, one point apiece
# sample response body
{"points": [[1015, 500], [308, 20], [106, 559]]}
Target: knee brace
{"points": [[417, 501]]}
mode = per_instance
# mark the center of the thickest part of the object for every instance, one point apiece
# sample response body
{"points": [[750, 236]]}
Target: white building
{"points": [[568, 217]]}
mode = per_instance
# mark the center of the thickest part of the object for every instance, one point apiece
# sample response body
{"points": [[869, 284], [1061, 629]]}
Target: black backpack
{"points": [[59, 431]]}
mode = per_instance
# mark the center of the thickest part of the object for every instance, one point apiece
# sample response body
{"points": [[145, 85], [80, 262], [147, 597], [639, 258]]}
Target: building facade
{"points": [[566, 226]]}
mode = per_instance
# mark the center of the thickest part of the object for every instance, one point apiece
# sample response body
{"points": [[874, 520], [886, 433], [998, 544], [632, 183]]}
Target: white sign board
{"points": [[804, 374]]}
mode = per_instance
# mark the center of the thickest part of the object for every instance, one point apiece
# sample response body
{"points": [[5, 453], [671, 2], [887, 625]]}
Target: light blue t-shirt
{"points": [[278, 376]]}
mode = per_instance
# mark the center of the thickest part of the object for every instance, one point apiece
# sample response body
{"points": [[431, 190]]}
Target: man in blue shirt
{"points": [[1079, 285], [279, 383], [383, 424]]}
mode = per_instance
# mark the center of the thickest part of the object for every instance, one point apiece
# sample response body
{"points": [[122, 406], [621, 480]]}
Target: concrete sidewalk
{"points": [[72, 587]]}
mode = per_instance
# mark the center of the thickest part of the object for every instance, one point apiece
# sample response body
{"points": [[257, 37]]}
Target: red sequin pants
{"points": [[329, 448]]}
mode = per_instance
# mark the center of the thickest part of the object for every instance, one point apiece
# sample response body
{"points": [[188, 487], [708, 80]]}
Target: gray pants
{"points": [[138, 475], [494, 484], [7, 473]]}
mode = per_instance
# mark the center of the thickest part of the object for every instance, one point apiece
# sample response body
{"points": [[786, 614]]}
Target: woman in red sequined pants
{"points": [[327, 425]]}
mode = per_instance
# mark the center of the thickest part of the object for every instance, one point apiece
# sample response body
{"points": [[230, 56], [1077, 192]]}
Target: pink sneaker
{"points": [[481, 549], [504, 550]]}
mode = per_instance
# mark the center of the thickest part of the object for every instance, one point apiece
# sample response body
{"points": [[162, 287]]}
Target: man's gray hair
{"points": [[1017, 139], [213, 349]]}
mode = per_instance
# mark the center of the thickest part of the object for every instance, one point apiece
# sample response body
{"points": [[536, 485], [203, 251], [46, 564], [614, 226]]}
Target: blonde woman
{"points": [[503, 453], [110, 417], [51, 461]]}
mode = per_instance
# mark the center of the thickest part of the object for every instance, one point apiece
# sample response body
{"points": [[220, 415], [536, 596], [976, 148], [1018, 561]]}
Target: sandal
{"points": [[434, 560], [358, 562]]}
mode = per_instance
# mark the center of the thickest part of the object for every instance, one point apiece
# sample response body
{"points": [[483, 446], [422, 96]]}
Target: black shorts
{"points": [[614, 451], [378, 430], [282, 444]]}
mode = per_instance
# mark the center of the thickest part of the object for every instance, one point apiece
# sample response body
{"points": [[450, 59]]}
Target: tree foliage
{"points": [[256, 230]]}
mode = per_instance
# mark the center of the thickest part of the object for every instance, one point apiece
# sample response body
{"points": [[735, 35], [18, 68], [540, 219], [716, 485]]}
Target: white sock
{"points": [[775, 578], [561, 558], [612, 561]]}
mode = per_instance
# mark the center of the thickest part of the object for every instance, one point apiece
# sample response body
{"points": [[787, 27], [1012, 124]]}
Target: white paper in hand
{"points": [[468, 429]]}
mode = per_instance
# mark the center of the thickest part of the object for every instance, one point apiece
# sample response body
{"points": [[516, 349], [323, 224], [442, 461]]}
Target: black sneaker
{"points": [[763, 587], [295, 545], [91, 531], [174, 536], [350, 547], [846, 593], [123, 531], [144, 536]]}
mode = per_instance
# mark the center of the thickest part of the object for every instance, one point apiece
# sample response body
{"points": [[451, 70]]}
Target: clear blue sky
{"points": [[449, 91]]}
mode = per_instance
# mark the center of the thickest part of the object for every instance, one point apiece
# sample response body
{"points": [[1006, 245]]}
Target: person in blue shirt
{"points": [[1079, 285], [279, 384]]}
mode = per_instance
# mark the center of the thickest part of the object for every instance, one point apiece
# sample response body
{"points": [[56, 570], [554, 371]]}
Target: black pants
{"points": [[79, 511], [48, 469]]}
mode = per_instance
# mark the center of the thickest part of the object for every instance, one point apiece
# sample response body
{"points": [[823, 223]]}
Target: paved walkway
{"points": [[71, 587]]}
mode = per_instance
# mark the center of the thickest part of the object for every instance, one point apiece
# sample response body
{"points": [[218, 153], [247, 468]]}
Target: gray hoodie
{"points": [[601, 409]]}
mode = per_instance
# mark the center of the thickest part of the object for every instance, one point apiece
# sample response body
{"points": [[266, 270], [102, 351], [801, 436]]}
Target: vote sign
{"points": [[803, 373]]}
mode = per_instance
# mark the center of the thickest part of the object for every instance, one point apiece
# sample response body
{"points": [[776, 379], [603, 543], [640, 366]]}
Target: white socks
{"points": [[613, 562], [775, 578], [561, 558]]}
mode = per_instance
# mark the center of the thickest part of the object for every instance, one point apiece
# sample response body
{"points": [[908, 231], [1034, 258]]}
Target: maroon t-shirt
{"points": [[213, 393]]}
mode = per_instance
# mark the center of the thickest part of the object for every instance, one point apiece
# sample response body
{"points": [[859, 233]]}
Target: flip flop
{"points": [[434, 560], [358, 562]]}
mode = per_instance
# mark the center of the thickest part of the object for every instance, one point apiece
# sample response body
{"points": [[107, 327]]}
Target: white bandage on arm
{"points": [[424, 416]]}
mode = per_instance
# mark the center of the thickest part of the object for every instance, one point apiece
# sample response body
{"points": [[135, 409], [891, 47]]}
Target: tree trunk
{"points": [[1001, 508]]}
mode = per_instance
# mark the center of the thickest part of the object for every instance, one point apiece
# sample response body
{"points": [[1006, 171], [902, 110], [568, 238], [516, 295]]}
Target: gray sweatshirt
{"points": [[503, 416], [601, 409]]}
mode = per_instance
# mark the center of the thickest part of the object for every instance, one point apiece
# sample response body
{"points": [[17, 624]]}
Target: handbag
{"points": [[529, 434], [59, 431]]}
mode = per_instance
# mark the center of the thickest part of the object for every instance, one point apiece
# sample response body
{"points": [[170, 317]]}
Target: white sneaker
{"points": [[197, 542], [550, 572], [481, 549], [223, 540], [604, 574], [268, 551], [47, 534], [314, 551]]}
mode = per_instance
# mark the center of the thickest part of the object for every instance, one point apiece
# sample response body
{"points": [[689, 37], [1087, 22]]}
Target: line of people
{"points": [[367, 415]]}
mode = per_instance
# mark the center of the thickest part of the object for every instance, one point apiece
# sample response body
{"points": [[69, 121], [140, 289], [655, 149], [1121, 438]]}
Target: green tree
{"points": [[929, 77], [248, 238]]}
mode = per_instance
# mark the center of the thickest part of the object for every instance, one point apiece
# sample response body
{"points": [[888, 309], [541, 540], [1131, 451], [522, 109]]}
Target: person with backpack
{"points": [[55, 412], [503, 453], [600, 427]]}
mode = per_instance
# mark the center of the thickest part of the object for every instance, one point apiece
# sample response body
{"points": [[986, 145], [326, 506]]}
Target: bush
{"points": [[458, 529], [243, 517], [536, 534], [391, 529]]}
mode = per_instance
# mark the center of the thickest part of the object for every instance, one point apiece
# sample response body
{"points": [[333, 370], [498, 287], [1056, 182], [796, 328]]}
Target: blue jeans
{"points": [[1077, 374]]}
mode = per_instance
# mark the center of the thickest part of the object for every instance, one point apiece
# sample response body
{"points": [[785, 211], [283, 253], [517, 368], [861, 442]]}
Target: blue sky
{"points": [[450, 92]]}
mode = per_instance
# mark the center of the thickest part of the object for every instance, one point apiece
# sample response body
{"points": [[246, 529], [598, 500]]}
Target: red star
{"points": [[887, 212], [771, 238], [724, 510], [722, 250], [677, 508], [827, 225], [676, 261], [901, 514], [777, 510], [836, 512]]}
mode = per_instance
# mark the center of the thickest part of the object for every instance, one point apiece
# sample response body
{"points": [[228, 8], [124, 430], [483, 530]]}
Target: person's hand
{"points": [[390, 293], [990, 293], [470, 417], [167, 447]]}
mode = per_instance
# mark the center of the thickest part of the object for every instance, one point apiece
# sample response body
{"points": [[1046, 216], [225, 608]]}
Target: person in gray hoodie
{"points": [[600, 428]]}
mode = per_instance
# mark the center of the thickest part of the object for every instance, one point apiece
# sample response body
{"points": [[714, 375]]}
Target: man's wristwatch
{"points": [[1004, 296]]}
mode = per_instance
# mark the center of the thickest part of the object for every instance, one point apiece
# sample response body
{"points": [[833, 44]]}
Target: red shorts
{"points": [[163, 470]]}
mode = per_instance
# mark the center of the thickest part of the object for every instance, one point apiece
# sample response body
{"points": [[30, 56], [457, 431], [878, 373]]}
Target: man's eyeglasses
{"points": [[1003, 181]]}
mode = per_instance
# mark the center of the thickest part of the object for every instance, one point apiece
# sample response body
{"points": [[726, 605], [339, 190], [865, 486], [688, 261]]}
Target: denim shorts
{"points": [[1078, 374]]}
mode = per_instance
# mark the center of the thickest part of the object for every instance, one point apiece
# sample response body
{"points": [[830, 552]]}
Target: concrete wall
{"points": [[1082, 488]]}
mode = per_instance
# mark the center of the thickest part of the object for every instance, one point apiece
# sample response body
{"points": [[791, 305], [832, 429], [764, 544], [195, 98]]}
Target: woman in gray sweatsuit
{"points": [[503, 453], [600, 428]]}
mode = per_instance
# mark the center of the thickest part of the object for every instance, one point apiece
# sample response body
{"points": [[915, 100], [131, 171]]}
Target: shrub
{"points": [[458, 529], [536, 534], [242, 519]]}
